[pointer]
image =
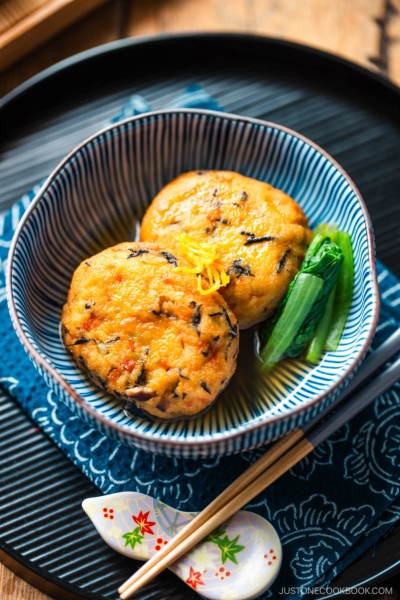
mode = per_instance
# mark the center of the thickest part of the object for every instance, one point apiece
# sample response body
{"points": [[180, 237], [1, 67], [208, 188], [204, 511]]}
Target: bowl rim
{"points": [[260, 422]]}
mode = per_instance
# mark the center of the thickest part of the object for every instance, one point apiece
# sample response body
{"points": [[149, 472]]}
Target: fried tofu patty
{"points": [[262, 234], [144, 333]]}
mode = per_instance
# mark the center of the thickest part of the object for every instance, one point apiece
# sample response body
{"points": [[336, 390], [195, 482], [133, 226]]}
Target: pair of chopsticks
{"points": [[283, 455]]}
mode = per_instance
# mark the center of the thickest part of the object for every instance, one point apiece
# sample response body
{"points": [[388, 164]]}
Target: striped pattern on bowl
{"points": [[96, 198]]}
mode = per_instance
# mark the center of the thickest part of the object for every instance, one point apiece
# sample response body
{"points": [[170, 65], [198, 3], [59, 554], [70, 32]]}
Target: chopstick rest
{"points": [[242, 557], [276, 461]]}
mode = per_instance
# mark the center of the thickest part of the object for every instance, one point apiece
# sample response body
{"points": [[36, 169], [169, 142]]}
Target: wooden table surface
{"points": [[364, 31]]}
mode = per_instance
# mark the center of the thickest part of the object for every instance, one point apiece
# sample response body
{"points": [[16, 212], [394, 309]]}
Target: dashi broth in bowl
{"points": [[96, 198]]}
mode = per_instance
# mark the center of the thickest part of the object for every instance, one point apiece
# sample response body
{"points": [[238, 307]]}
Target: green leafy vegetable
{"points": [[299, 302], [319, 338], [323, 259], [328, 229], [296, 318], [344, 292]]}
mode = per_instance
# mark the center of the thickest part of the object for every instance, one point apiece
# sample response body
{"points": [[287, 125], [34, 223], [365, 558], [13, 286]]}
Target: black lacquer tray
{"points": [[353, 114]]}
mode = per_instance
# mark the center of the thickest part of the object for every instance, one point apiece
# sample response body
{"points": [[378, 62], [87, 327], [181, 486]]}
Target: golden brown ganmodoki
{"points": [[262, 234], [144, 333]]}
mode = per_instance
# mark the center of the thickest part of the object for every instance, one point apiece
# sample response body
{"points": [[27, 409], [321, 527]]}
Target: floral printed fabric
{"points": [[347, 493]]}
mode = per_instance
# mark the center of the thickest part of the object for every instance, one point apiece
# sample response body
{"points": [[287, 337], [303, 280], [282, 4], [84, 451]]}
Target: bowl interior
{"points": [[96, 199]]}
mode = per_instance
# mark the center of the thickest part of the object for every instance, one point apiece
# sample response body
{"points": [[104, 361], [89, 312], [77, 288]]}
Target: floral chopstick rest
{"points": [[238, 561]]}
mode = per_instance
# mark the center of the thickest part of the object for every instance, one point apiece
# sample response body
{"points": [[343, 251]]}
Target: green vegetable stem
{"points": [[303, 295], [320, 336], [328, 229], [344, 292], [323, 261]]}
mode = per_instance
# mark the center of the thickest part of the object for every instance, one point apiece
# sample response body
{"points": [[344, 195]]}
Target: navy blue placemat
{"points": [[347, 492]]}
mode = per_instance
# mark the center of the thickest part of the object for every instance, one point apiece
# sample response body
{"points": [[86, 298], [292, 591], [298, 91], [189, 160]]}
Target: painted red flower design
{"points": [[144, 524], [194, 578]]}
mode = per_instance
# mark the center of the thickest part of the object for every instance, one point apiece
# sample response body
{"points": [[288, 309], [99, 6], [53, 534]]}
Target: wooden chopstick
{"points": [[274, 463], [256, 469], [293, 456]]}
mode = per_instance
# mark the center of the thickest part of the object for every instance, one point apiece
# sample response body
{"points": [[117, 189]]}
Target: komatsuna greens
{"points": [[299, 320]]}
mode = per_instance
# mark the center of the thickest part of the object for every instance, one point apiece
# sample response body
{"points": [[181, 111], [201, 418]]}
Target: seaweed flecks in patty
{"points": [[205, 387], [137, 252], [258, 240], [170, 258], [196, 318], [282, 261], [153, 345], [81, 341], [239, 268], [251, 224]]}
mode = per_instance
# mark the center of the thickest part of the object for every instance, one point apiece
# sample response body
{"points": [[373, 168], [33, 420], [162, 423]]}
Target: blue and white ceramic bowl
{"points": [[95, 199]]}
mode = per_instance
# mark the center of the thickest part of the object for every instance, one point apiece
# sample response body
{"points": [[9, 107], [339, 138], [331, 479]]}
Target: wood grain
{"points": [[40, 25], [349, 28], [13, 11], [393, 30], [14, 588], [342, 27], [94, 30]]}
